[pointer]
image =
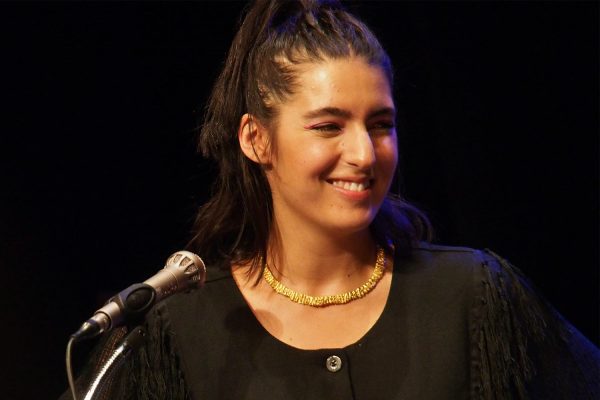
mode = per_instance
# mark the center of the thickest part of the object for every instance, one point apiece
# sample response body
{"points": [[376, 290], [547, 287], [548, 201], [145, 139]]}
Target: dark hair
{"points": [[274, 36]]}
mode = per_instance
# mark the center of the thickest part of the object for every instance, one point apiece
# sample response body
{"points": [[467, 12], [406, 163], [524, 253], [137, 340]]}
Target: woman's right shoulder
{"points": [[218, 288], [213, 305]]}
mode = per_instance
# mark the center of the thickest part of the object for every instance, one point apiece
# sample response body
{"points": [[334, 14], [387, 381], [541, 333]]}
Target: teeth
{"points": [[352, 186]]}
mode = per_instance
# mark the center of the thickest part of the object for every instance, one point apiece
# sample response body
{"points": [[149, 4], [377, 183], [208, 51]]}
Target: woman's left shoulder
{"points": [[479, 266], [458, 265], [521, 347]]}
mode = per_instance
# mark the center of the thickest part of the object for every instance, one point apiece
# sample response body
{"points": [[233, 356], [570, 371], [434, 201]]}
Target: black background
{"points": [[100, 179]]}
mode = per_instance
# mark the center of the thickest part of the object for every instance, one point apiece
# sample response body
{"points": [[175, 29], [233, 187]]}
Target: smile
{"points": [[352, 186]]}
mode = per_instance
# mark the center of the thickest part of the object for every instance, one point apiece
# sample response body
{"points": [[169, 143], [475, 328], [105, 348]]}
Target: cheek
{"points": [[315, 159], [301, 161], [387, 155]]}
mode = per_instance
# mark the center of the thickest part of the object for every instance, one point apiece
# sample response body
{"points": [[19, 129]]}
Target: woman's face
{"points": [[335, 150]]}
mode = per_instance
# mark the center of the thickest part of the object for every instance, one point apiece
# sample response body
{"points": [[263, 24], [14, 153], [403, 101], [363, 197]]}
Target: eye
{"points": [[327, 129], [382, 127]]}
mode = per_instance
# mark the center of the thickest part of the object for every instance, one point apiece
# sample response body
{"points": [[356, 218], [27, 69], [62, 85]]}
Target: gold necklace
{"points": [[334, 299]]}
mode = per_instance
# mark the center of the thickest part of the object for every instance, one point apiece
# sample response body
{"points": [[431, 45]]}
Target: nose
{"points": [[358, 149]]}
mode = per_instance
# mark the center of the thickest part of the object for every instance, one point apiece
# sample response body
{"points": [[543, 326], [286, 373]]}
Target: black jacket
{"points": [[458, 324]]}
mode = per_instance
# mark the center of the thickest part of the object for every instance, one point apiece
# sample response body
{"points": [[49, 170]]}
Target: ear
{"points": [[254, 139]]}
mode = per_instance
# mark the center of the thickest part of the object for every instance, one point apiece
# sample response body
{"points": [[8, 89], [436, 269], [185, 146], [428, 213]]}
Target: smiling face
{"points": [[335, 150]]}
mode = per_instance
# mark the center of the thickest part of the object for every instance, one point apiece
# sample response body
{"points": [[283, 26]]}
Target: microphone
{"points": [[183, 271]]}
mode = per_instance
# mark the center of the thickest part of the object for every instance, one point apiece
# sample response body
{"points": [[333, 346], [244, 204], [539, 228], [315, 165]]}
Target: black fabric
{"points": [[458, 324]]}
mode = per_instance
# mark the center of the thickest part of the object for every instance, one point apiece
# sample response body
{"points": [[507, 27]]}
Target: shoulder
{"points": [[196, 307], [427, 253], [519, 342], [477, 281], [218, 289], [480, 265], [486, 278], [454, 265], [444, 279]]}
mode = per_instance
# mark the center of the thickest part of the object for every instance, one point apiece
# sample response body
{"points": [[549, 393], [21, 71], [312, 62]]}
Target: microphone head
{"points": [[188, 269]]}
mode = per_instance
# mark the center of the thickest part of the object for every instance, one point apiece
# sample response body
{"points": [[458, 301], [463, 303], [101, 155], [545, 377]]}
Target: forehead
{"points": [[347, 83]]}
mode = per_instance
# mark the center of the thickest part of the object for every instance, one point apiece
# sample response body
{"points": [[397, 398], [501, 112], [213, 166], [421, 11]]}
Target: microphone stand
{"points": [[132, 303], [100, 384], [183, 271]]}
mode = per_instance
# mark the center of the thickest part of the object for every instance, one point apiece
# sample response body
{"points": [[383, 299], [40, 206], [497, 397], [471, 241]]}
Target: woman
{"points": [[322, 283]]}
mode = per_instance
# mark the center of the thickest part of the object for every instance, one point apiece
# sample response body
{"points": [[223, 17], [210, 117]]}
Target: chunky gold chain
{"points": [[334, 299]]}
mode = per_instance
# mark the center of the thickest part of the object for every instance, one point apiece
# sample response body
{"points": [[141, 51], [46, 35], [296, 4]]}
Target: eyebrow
{"points": [[339, 112], [325, 111]]}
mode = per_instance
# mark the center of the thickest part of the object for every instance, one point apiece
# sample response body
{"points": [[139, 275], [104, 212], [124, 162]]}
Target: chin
{"points": [[354, 225]]}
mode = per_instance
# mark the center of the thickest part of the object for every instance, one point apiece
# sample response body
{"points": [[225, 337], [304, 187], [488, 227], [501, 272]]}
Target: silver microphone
{"points": [[183, 271]]}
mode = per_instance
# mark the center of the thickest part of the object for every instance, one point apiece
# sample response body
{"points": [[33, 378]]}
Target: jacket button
{"points": [[333, 363]]}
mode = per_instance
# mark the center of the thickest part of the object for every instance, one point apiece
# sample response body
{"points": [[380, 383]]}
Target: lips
{"points": [[351, 185]]}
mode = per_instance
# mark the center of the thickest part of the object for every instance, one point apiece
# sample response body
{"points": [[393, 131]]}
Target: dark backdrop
{"points": [[100, 181]]}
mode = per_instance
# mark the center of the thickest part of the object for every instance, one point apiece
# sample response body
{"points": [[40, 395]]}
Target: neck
{"points": [[321, 263]]}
